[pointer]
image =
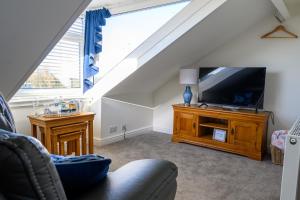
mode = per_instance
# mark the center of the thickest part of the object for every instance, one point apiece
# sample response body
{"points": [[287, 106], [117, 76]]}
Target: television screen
{"points": [[232, 86]]}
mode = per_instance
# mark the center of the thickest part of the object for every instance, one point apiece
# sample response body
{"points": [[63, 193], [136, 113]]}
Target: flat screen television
{"points": [[232, 86]]}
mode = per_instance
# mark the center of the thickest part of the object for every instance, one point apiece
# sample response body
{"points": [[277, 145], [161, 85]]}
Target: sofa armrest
{"points": [[141, 179]]}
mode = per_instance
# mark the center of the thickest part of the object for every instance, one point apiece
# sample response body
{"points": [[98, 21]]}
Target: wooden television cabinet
{"points": [[245, 130]]}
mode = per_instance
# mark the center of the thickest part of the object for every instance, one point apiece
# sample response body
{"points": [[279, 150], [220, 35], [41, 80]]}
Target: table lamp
{"points": [[188, 77]]}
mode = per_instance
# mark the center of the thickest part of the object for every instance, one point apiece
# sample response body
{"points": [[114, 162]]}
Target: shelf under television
{"points": [[215, 125], [209, 139]]}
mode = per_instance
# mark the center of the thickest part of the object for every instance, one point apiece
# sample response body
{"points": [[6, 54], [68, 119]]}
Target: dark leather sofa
{"points": [[27, 173]]}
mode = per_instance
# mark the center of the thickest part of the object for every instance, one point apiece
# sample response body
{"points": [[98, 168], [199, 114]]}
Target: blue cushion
{"points": [[78, 173]]}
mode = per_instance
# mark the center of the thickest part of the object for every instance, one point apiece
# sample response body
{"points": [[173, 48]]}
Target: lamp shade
{"points": [[188, 76]]}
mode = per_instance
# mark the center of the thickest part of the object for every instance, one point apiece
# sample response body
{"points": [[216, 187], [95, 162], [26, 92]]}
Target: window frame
{"points": [[30, 94], [98, 77]]}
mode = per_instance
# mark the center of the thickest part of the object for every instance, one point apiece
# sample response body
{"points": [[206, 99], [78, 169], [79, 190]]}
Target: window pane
{"points": [[125, 32], [61, 68]]}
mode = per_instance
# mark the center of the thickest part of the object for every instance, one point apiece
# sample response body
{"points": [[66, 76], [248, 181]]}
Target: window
{"points": [[125, 32], [60, 73], [61, 69]]}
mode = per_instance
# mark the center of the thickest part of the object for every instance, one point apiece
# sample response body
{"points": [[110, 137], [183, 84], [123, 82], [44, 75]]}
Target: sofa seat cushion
{"points": [[26, 169], [79, 173], [147, 179]]}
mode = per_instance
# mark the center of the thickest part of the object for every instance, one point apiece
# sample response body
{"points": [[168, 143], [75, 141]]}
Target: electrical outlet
{"points": [[124, 128], [113, 129]]}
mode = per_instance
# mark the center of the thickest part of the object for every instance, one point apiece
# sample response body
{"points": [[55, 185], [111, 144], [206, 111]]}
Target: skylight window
{"points": [[125, 32]]}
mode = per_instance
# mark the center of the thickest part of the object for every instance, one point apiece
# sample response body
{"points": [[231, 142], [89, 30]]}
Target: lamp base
{"points": [[187, 96]]}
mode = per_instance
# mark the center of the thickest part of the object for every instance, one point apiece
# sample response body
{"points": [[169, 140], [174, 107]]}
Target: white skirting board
{"points": [[120, 136], [163, 130]]}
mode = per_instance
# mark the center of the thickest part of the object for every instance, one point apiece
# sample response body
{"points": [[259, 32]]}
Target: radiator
{"points": [[291, 170]]}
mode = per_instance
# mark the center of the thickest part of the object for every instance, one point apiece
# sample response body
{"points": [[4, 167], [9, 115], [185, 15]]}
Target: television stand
{"points": [[245, 131]]}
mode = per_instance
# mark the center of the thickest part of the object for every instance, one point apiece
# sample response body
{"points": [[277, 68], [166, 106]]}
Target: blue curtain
{"points": [[94, 20]]}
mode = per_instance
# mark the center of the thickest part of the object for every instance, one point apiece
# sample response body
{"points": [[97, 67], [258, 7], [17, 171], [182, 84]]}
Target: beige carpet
{"points": [[204, 174]]}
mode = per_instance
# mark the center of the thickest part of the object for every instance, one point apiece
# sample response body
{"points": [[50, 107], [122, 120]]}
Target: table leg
{"points": [[42, 135], [83, 142], [48, 139], [61, 148], [34, 130], [77, 148], [54, 145], [91, 137], [71, 147]]}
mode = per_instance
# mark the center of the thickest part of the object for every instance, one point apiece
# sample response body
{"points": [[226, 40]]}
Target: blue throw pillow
{"points": [[78, 173]]}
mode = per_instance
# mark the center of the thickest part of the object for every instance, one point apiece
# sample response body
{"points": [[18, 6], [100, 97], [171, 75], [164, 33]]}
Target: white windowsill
{"points": [[16, 103], [26, 98]]}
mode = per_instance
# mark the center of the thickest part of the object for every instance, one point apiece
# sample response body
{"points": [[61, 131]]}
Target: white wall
{"points": [[21, 120], [138, 119], [169, 94], [280, 56], [144, 99]]}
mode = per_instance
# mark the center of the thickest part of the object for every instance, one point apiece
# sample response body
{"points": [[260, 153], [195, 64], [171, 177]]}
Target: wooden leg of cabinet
{"points": [[257, 157], [175, 140]]}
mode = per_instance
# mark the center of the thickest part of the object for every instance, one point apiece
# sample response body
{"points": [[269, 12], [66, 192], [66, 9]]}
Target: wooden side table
{"points": [[68, 133], [48, 123]]}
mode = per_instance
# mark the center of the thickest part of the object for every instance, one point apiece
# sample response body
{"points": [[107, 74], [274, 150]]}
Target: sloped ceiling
{"points": [[29, 30], [228, 21], [293, 6]]}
